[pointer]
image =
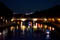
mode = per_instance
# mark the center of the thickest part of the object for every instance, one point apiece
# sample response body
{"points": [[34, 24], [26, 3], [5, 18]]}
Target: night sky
{"points": [[23, 6]]}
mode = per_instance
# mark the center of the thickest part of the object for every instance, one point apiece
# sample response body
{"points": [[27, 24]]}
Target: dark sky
{"points": [[22, 6]]}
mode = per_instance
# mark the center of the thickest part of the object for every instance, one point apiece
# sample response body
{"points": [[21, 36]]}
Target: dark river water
{"points": [[29, 35]]}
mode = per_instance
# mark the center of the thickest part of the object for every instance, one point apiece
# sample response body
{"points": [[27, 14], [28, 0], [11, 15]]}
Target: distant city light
{"points": [[12, 28], [23, 27], [34, 19], [53, 28], [45, 19], [50, 28], [1, 17], [0, 33], [18, 22], [45, 26], [23, 19], [41, 25], [53, 19], [17, 27], [6, 21], [47, 31], [49, 19], [12, 19], [58, 19]]}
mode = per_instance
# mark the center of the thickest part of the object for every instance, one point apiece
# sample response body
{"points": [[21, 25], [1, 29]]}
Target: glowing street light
{"points": [[35, 27], [45, 26], [1, 17], [12, 28], [58, 19], [12, 19], [23, 19], [45, 19], [53, 19], [53, 28], [23, 28], [0, 33], [34, 19]]}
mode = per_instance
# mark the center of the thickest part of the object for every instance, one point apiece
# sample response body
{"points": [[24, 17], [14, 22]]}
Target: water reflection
{"points": [[26, 33]]}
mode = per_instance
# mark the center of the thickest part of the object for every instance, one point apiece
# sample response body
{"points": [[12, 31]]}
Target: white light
{"points": [[1, 17], [0, 33], [48, 32], [47, 36]]}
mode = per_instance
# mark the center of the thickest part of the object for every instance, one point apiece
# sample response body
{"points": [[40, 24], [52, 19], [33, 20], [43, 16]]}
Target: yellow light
{"points": [[23, 19], [12, 28], [35, 27], [18, 22], [53, 19], [58, 19], [23, 28], [34, 19], [45, 26], [12, 19], [45, 19], [28, 27]]}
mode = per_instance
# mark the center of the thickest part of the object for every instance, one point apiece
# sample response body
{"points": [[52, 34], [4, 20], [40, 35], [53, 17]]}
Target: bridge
{"points": [[19, 21]]}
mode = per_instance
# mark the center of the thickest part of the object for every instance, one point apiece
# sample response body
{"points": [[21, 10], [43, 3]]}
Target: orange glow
{"points": [[38, 25], [49, 19], [49, 28], [53, 28], [12, 28], [41, 25], [58, 19], [53, 19]]}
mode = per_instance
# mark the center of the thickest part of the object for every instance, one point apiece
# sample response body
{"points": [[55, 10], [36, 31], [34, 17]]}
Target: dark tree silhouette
{"points": [[5, 11]]}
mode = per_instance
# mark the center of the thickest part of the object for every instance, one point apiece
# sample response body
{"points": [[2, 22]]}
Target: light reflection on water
{"points": [[18, 34]]}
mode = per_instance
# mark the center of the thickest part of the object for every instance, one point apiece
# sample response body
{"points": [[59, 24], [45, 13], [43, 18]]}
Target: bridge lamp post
{"points": [[22, 26], [34, 24]]}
